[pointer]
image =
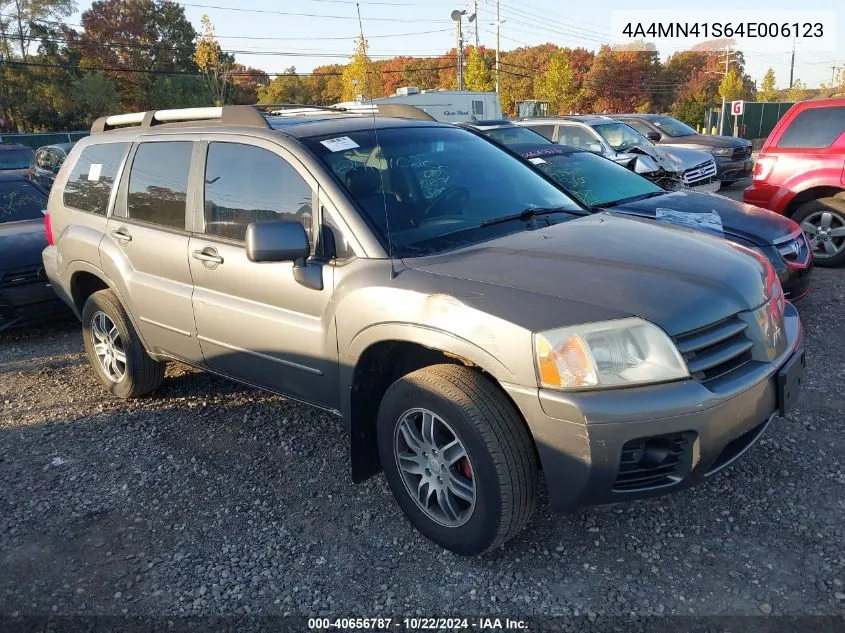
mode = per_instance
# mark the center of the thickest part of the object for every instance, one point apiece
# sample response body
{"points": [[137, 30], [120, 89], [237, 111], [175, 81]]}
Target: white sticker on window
{"points": [[94, 171], [536, 161], [339, 144], [711, 222]]}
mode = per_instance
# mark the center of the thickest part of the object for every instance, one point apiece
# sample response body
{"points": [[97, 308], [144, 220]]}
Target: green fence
{"points": [[37, 140], [757, 121]]}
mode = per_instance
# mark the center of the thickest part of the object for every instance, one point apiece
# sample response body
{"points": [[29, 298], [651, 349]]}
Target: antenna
{"points": [[378, 149]]}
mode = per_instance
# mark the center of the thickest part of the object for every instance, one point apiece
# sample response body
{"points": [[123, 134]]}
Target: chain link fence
{"points": [[36, 140]]}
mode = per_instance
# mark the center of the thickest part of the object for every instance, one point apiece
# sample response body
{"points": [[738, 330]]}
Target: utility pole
{"points": [[457, 16], [792, 63], [475, 27], [363, 46], [727, 64], [497, 46], [833, 74]]}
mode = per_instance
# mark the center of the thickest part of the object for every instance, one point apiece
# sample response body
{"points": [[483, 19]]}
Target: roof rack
{"points": [[244, 115], [247, 115]]}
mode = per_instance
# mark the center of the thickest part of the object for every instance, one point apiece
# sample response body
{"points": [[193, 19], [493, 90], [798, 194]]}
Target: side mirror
{"points": [[653, 136], [284, 241]]}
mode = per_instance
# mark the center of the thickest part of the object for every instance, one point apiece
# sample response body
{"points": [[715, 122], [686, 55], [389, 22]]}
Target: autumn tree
{"points": [[519, 68], [555, 85], [326, 84], [797, 92], [246, 82], [767, 91], [422, 73], [213, 63], [286, 88], [695, 98], [477, 75], [731, 86], [391, 71], [360, 76]]}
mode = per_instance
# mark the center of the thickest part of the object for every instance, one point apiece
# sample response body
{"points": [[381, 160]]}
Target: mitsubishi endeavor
{"points": [[437, 294]]}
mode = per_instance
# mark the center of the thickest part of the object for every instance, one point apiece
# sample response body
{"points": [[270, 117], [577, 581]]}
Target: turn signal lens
{"points": [[569, 364], [763, 167]]}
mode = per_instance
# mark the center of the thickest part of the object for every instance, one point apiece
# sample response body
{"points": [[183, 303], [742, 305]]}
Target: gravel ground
{"points": [[212, 498]]}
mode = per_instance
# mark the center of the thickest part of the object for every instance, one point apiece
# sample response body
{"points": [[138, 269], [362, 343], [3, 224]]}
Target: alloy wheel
{"points": [[825, 232], [108, 347]]}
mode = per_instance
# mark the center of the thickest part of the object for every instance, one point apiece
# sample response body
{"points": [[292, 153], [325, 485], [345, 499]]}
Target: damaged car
{"points": [[671, 169]]}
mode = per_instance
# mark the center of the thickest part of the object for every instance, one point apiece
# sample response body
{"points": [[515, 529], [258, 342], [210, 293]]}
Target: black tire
{"points": [[498, 445], [836, 206], [142, 374]]}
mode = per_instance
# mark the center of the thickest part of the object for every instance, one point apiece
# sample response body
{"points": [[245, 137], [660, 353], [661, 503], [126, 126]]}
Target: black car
{"points": [[15, 159], [47, 162], [601, 184], [732, 154], [25, 295]]}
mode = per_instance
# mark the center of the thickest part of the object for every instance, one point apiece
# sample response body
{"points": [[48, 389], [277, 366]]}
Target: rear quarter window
{"points": [[814, 128], [91, 180]]}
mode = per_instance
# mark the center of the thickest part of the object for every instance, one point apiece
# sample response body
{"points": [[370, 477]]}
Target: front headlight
{"points": [[607, 354], [723, 151]]}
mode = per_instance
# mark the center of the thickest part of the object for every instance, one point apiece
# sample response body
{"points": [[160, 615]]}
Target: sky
{"points": [[275, 34]]}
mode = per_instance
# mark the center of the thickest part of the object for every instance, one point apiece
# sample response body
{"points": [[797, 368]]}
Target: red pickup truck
{"points": [[800, 173]]}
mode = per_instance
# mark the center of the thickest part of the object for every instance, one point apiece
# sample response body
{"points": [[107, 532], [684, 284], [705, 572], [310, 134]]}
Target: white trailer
{"points": [[450, 106]]}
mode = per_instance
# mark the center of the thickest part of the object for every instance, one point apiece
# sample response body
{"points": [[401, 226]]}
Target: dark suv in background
{"points": [[732, 154]]}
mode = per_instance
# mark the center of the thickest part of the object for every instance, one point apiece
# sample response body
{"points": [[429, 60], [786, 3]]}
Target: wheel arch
{"points": [[810, 194]]}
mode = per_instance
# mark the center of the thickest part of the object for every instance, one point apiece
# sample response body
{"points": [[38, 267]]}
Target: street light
{"points": [[457, 15]]}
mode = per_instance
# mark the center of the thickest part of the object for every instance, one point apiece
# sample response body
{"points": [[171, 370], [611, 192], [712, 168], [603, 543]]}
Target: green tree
{"points": [[326, 84], [556, 84], [286, 88], [360, 76], [477, 73], [731, 86], [94, 95], [213, 63], [767, 91], [798, 92]]}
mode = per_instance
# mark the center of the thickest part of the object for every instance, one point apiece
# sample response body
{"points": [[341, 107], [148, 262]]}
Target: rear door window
{"points": [[91, 180], [814, 128], [158, 183], [545, 130], [576, 136]]}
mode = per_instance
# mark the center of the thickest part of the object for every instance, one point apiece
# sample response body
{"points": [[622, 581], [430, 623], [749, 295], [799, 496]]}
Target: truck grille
{"points": [[703, 171], [651, 462], [795, 250], [741, 153], [716, 350]]}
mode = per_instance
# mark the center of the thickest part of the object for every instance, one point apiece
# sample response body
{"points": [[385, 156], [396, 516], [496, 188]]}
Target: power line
{"points": [[306, 15]]}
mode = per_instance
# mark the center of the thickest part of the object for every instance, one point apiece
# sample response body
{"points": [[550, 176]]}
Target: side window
{"points": [[639, 126], [575, 136], [546, 130], [814, 128], [478, 108], [158, 183], [91, 180], [245, 184]]}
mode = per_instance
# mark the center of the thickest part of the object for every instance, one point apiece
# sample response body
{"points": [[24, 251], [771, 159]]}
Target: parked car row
{"points": [[473, 311]]}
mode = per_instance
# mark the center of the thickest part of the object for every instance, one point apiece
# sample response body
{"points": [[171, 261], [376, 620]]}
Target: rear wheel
{"points": [[457, 457], [114, 349], [823, 223]]}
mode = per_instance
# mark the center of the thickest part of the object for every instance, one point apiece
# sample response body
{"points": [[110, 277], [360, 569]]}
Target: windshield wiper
{"points": [[529, 214], [644, 196]]}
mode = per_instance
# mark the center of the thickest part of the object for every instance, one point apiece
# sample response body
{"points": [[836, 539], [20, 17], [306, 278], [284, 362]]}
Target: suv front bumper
{"points": [[623, 444]]}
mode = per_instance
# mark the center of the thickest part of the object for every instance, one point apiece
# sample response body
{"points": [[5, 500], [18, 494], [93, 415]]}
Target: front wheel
{"points": [[457, 457], [823, 223]]}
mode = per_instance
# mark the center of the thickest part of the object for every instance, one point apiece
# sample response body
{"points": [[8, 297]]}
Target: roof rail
{"points": [[243, 115], [396, 110]]}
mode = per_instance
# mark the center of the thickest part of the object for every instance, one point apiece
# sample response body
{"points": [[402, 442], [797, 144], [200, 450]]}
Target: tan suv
{"points": [[432, 290]]}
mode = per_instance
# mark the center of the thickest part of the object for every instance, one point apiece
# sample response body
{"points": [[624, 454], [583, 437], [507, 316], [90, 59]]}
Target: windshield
{"points": [[672, 127], [620, 136], [432, 188], [20, 200], [512, 135], [15, 158], [594, 180]]}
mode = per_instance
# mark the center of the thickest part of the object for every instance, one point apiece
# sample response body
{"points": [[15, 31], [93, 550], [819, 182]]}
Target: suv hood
{"points": [[704, 140], [714, 214], [679, 280]]}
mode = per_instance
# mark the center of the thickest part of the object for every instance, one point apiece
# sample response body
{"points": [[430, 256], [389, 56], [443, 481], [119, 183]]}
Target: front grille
{"points": [[652, 462], [716, 350], [796, 250], [741, 153], [23, 277], [702, 171]]}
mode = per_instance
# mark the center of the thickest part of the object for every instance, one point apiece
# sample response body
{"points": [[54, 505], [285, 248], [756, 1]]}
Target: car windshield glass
{"points": [[594, 180], [620, 136], [672, 127], [20, 200], [431, 189], [512, 135], [15, 158]]}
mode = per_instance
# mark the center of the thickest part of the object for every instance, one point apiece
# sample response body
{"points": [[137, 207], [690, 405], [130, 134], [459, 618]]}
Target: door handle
{"points": [[122, 234], [208, 255]]}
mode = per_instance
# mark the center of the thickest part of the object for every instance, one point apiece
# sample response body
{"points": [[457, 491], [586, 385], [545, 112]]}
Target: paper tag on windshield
{"points": [[711, 221], [94, 171], [536, 161], [339, 144]]}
